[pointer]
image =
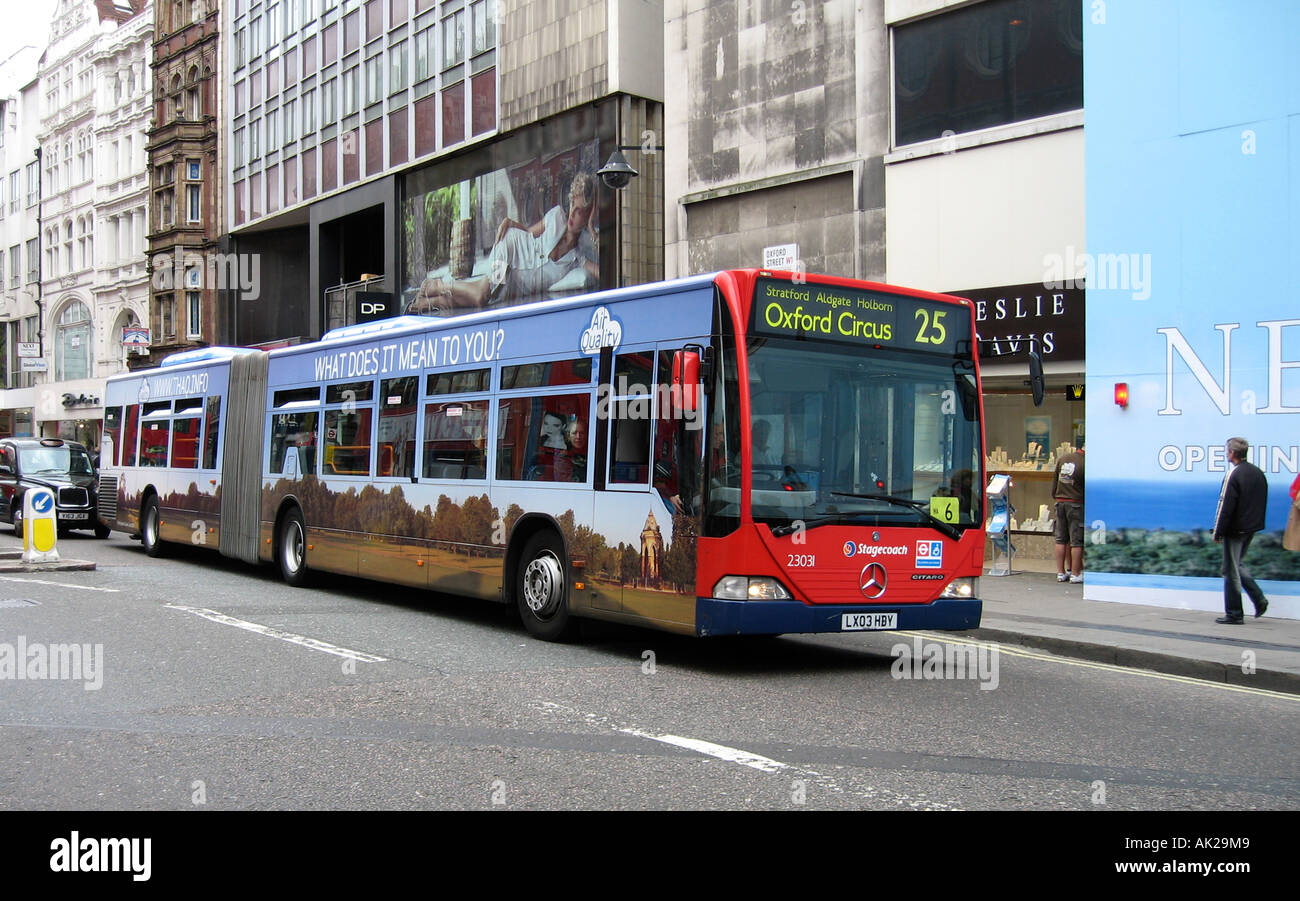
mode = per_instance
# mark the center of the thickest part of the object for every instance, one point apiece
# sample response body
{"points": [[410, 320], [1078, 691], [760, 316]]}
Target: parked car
{"points": [[65, 467]]}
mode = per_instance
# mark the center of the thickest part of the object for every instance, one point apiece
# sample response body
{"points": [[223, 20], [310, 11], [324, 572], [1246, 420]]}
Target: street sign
{"points": [[30, 365], [29, 349], [135, 337], [782, 256]]}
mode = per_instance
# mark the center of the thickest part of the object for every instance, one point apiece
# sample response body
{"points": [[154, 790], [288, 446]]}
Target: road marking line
{"points": [[61, 584], [313, 643], [722, 752], [1112, 667]]}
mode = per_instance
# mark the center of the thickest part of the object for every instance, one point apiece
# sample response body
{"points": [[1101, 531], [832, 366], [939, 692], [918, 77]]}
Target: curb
{"points": [[1170, 664], [59, 566]]}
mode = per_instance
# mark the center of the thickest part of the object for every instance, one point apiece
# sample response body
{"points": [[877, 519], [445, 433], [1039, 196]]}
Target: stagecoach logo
{"points": [[873, 580], [604, 331], [850, 548]]}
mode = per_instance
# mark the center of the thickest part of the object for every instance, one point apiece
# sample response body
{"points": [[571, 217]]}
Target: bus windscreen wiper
{"points": [[833, 518], [919, 506]]}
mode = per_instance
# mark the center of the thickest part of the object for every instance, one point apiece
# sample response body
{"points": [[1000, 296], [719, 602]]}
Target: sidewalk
{"points": [[1032, 609]]}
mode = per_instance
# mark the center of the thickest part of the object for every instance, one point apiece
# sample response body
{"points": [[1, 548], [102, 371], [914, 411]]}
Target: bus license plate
{"points": [[63, 515], [859, 622]]}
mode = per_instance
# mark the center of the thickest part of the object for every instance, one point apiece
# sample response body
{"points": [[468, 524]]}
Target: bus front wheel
{"points": [[542, 589], [293, 549], [149, 521]]}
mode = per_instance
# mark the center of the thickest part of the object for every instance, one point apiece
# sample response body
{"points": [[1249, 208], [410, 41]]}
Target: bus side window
{"points": [[211, 434]]}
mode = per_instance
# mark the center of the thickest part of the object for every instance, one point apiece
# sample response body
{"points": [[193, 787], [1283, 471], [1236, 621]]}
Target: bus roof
{"points": [[206, 355], [411, 324]]}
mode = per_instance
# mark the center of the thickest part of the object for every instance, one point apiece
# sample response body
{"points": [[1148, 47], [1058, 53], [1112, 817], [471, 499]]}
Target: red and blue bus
{"points": [[747, 452]]}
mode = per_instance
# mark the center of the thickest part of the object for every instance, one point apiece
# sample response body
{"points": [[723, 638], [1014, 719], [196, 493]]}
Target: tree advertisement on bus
{"points": [[518, 234]]}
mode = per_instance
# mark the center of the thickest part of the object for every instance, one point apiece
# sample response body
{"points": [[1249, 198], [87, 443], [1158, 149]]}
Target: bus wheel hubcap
{"points": [[293, 547], [542, 583]]}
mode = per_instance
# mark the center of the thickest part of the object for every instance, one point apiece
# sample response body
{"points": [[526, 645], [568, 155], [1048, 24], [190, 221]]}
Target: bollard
{"points": [[40, 526]]}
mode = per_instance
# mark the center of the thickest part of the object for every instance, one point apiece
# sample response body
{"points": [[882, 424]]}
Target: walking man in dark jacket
{"points": [[1240, 515]]}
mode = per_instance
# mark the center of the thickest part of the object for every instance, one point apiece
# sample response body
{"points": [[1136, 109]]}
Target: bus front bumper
{"points": [[724, 617]]}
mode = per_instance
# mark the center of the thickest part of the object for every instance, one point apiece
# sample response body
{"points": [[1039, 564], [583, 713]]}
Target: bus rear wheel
{"points": [[293, 549], [149, 522], [542, 589]]}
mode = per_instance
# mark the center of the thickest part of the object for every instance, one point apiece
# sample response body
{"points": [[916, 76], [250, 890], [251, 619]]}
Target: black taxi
{"points": [[64, 467]]}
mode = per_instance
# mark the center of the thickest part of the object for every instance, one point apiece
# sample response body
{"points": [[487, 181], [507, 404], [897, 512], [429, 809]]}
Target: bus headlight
{"points": [[963, 588], [750, 588]]}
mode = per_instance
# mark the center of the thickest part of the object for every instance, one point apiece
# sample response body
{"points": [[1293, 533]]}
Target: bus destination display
{"points": [[832, 313]]}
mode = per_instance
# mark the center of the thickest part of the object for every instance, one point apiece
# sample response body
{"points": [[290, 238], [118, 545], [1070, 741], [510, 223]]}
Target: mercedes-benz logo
{"points": [[873, 580]]}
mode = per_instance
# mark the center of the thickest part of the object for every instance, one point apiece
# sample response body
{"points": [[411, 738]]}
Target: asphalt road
{"points": [[224, 688]]}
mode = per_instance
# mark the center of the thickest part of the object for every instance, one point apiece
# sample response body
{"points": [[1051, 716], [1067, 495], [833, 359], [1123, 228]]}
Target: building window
{"points": [[374, 79], [397, 67], [164, 322], [985, 65], [14, 261], [240, 38], [272, 118], [239, 147], [15, 195], [290, 123], [483, 24], [349, 91], [72, 342], [308, 112], [193, 314], [426, 51], [255, 140], [193, 203], [33, 184], [193, 170], [453, 39], [328, 102], [33, 262]]}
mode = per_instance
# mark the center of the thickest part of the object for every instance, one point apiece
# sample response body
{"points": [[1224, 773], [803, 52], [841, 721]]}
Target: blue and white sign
{"points": [[929, 554]]}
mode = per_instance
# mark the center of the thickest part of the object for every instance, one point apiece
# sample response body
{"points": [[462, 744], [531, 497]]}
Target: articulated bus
{"points": [[748, 452]]}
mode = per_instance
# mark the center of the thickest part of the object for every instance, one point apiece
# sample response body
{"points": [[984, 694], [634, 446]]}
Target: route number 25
{"points": [[931, 330]]}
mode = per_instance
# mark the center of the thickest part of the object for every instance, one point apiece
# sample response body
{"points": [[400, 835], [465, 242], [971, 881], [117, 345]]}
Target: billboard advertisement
{"points": [[1191, 268], [517, 234]]}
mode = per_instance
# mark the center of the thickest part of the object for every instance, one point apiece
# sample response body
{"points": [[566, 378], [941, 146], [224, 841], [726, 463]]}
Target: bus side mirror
{"points": [[686, 381], [1036, 377]]}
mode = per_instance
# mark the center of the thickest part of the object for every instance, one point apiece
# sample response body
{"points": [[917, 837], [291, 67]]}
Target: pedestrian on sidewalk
{"points": [[1067, 490], [1291, 537], [1242, 502]]}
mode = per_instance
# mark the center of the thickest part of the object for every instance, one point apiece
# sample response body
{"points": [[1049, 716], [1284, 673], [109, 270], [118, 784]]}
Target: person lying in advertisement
{"points": [[526, 261]]}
